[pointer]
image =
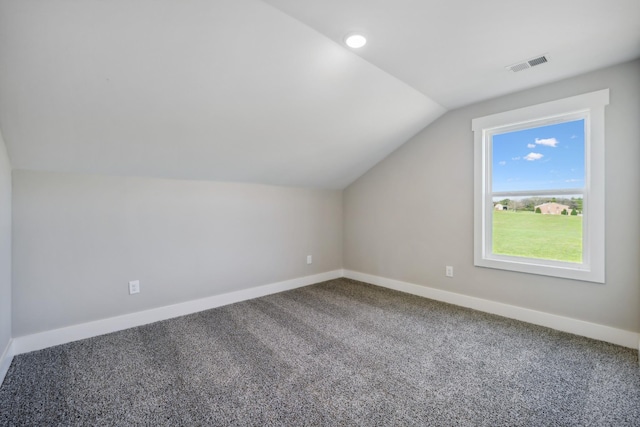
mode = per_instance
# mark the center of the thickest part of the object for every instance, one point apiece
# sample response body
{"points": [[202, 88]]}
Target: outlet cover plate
{"points": [[449, 271], [134, 287]]}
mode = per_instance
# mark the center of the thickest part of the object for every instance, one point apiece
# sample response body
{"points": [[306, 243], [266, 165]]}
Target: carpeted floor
{"points": [[336, 353]]}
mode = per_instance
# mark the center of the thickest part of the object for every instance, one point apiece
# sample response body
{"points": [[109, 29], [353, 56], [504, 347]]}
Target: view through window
{"points": [[527, 164]]}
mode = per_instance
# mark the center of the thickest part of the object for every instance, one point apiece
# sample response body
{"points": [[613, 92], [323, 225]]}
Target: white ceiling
{"points": [[239, 90], [456, 51]]}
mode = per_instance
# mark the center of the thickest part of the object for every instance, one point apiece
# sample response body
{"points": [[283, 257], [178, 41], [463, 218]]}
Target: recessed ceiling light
{"points": [[355, 41]]}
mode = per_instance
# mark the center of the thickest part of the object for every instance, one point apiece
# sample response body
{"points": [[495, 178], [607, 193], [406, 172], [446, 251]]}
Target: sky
{"points": [[541, 158]]}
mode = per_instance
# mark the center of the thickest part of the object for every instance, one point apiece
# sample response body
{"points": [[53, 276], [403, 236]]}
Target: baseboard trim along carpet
{"points": [[566, 324], [5, 360], [41, 340]]}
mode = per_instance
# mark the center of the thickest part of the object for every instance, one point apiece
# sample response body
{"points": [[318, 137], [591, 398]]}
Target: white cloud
{"points": [[531, 145], [574, 136], [549, 142], [533, 156], [502, 163], [515, 158]]}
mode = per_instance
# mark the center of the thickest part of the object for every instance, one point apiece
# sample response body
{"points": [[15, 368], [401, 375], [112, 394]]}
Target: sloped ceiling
{"points": [[265, 91], [201, 89], [456, 51]]}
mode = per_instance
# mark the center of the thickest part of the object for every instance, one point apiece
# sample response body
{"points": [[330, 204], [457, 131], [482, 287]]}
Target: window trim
{"points": [[592, 105]]}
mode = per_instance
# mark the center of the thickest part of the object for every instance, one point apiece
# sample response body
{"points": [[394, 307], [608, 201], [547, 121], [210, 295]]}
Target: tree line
{"points": [[530, 203]]}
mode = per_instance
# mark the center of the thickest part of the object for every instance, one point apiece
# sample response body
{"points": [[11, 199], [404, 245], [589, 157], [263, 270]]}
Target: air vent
{"points": [[537, 61], [528, 63]]}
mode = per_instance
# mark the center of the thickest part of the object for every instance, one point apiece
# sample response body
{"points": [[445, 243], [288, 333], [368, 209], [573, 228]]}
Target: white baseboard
{"points": [[5, 360], [41, 340], [566, 324]]}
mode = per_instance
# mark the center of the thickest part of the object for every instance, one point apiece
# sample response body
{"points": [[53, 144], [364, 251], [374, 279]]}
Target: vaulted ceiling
{"points": [[456, 51], [265, 91]]}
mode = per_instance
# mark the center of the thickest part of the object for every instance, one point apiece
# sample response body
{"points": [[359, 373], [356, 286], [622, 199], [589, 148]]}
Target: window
{"points": [[539, 188]]}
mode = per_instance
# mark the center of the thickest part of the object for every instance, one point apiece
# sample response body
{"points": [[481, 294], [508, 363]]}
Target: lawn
{"points": [[527, 234]]}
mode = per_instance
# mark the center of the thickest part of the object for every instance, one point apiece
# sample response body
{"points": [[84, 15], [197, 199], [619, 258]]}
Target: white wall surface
{"points": [[412, 214], [79, 239], [5, 248]]}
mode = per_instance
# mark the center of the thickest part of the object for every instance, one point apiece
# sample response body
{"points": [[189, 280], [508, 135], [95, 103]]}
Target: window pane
{"points": [[540, 158], [538, 227]]}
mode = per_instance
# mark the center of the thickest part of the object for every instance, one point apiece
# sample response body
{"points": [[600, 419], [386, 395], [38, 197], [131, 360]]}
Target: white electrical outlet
{"points": [[449, 271], [134, 287], [309, 259]]}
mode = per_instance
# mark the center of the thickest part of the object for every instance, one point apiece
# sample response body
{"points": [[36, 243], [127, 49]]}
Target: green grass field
{"points": [[526, 234]]}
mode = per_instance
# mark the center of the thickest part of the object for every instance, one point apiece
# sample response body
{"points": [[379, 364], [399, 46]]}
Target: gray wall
{"points": [[412, 214], [5, 248], [79, 239]]}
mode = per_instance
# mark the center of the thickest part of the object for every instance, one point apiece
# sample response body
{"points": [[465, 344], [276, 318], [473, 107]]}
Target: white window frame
{"points": [[590, 107]]}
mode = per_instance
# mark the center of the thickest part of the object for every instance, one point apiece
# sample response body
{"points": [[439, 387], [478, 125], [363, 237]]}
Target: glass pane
{"points": [[539, 158], [538, 227]]}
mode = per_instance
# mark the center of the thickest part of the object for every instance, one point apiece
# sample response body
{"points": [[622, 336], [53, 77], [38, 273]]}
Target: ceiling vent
{"points": [[528, 63]]}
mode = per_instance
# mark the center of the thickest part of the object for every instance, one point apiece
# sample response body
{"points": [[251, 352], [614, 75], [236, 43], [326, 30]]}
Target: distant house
{"points": [[553, 208], [500, 207]]}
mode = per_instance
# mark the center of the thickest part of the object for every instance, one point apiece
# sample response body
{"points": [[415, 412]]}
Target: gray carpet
{"points": [[336, 353]]}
